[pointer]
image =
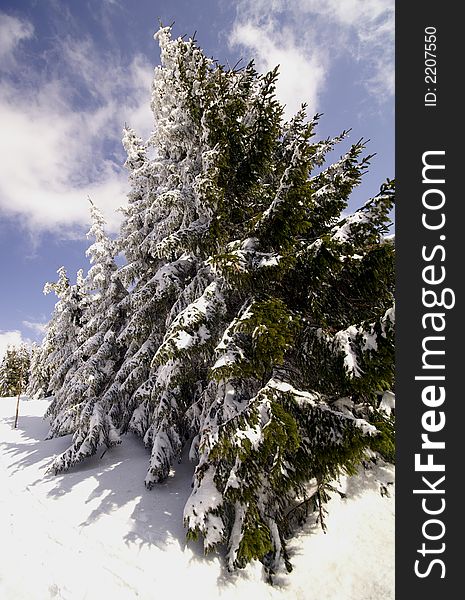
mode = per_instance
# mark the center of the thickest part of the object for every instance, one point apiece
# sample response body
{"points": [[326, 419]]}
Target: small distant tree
{"points": [[14, 373], [14, 370]]}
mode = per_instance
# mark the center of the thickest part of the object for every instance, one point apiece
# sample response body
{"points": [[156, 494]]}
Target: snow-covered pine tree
{"points": [[7, 373], [181, 204], [14, 370], [77, 407], [259, 321], [213, 133], [293, 394], [39, 376], [60, 340]]}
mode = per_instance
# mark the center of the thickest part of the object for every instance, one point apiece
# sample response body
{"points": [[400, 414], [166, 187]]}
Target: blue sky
{"points": [[72, 73]]}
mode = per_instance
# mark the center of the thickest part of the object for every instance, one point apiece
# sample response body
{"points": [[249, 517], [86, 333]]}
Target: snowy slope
{"points": [[96, 532]]}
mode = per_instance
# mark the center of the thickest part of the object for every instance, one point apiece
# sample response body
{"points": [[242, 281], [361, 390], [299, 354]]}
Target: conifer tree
{"points": [[14, 370], [171, 226], [255, 321], [39, 376], [60, 340], [77, 406]]}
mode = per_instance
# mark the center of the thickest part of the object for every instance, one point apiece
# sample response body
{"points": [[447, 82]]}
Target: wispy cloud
{"points": [[12, 32], [61, 125], [307, 36], [37, 328], [369, 25], [57, 147]]}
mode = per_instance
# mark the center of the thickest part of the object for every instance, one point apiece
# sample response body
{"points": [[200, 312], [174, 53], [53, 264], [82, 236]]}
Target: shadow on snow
{"points": [[119, 472]]}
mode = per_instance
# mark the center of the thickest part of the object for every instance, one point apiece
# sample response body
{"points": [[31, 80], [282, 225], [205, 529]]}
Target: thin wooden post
{"points": [[20, 388], [17, 412]]}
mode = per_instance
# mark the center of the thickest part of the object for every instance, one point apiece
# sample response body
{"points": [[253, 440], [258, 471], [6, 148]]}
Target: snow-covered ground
{"points": [[97, 533]]}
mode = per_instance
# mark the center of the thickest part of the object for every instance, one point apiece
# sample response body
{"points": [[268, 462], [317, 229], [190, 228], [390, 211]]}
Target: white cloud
{"points": [[37, 328], [9, 338], [12, 32], [307, 36], [54, 153], [349, 12], [371, 24], [301, 73]]}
